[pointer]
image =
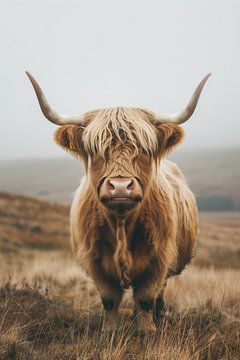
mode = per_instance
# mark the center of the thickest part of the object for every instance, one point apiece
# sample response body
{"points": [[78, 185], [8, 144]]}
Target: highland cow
{"points": [[134, 220]]}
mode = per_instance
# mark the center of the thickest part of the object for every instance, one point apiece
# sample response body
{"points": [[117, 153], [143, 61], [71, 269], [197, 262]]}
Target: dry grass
{"points": [[50, 310], [219, 242]]}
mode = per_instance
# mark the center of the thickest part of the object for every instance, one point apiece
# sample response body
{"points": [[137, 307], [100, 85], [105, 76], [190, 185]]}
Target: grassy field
{"points": [[50, 310]]}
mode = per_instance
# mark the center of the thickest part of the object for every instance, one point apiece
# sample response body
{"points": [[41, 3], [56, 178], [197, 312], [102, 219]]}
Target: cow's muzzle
{"points": [[120, 194]]}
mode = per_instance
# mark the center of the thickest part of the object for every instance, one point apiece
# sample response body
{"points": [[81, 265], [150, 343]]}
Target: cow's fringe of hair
{"points": [[130, 125]]}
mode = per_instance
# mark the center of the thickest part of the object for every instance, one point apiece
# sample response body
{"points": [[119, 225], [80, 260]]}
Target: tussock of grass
{"points": [[33, 326]]}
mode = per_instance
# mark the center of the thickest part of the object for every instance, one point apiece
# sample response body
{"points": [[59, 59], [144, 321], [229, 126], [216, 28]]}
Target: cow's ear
{"points": [[70, 138], [169, 135]]}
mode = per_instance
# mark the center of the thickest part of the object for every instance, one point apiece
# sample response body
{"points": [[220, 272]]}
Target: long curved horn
{"points": [[185, 114], [48, 112]]}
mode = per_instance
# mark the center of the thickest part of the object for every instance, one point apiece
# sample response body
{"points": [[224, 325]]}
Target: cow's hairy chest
{"points": [[139, 245]]}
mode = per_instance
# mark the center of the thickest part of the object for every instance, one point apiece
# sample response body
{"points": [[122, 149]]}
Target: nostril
{"points": [[130, 185], [110, 185]]}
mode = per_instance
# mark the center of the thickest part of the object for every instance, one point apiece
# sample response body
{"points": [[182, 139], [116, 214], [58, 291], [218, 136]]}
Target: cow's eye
{"points": [[145, 156]]}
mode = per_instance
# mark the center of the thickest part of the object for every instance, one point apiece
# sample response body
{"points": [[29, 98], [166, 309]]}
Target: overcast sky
{"points": [[90, 54]]}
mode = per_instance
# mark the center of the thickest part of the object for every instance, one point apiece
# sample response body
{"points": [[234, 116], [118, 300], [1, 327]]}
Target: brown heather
{"points": [[50, 310]]}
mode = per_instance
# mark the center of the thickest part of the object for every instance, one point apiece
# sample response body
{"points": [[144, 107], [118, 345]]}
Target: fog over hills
{"points": [[214, 176]]}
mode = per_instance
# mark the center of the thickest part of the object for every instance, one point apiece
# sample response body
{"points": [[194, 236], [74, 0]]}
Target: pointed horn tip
{"points": [[203, 81], [207, 76], [28, 73]]}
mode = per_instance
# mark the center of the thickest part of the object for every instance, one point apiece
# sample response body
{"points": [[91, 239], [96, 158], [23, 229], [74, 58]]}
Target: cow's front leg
{"points": [[111, 295], [145, 292], [159, 307], [144, 298]]}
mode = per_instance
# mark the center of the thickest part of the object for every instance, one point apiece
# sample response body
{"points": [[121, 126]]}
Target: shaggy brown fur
{"points": [[157, 239]]}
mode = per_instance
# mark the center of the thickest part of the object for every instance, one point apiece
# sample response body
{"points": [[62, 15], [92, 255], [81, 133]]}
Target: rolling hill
{"points": [[213, 176]]}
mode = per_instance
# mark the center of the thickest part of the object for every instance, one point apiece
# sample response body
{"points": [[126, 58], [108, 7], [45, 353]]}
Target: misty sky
{"points": [[90, 54]]}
